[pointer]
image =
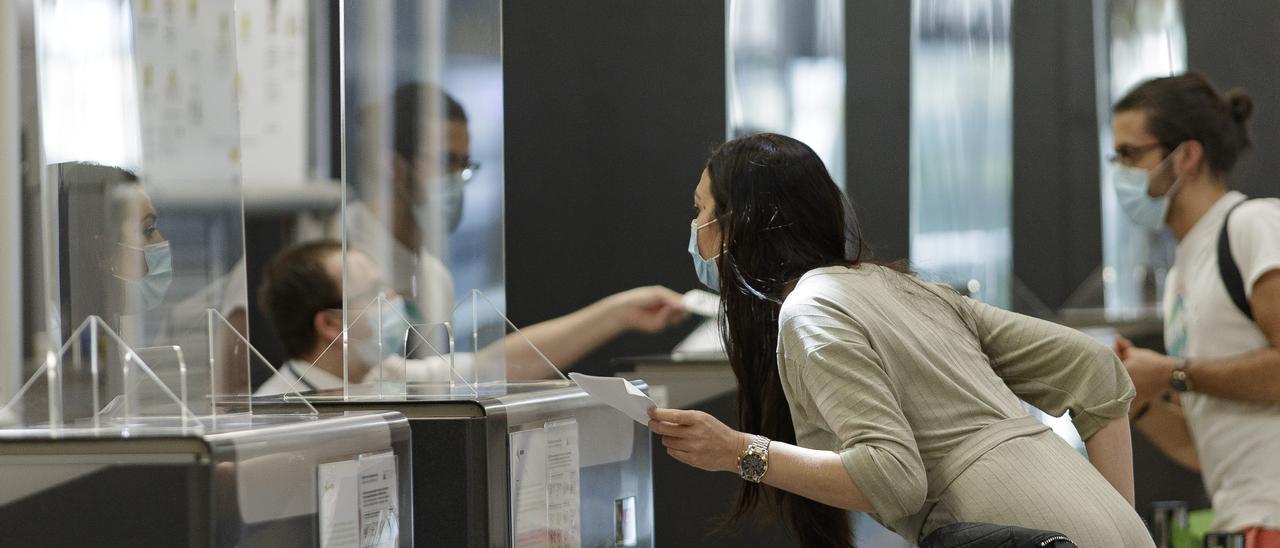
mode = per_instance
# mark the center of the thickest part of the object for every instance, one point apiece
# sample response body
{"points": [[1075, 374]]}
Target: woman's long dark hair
{"points": [[780, 215]]}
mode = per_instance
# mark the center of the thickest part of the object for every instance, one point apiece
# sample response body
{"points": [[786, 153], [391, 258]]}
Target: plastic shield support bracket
{"points": [[114, 370], [394, 356], [240, 398], [509, 354]]}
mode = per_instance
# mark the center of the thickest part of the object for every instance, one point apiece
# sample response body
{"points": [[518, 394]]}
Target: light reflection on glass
{"points": [[1135, 40], [961, 145], [786, 73]]}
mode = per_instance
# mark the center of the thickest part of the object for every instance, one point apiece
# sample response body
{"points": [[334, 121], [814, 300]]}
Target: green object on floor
{"points": [[1193, 535]]}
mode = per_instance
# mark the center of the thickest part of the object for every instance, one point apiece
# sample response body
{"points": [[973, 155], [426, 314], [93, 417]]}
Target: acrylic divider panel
{"points": [[1134, 40], [141, 211], [422, 208], [961, 168]]}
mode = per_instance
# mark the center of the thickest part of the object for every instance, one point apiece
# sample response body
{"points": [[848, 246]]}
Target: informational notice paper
{"points": [[529, 487], [563, 497], [379, 501], [338, 493]]}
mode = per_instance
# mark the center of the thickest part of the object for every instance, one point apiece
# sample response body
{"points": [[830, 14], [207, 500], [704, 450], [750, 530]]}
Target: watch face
{"points": [[753, 466], [1179, 381]]}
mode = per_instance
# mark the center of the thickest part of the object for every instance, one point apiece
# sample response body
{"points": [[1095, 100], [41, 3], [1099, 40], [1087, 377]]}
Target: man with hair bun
{"points": [[1213, 402]]}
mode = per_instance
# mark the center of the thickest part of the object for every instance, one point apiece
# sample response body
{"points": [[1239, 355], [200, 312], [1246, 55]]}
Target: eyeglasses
{"points": [[467, 172], [455, 169], [1129, 155]]}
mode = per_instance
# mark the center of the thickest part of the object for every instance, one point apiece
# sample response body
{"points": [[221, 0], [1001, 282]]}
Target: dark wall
{"points": [[612, 108], [878, 120], [1233, 42], [1057, 218]]}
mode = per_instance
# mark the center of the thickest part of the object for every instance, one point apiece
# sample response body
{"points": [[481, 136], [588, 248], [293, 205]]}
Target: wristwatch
{"points": [[754, 461], [1180, 380]]}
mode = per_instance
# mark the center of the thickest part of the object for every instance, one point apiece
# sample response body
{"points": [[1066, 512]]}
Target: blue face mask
{"points": [[708, 272], [152, 287], [397, 315], [1131, 192]]}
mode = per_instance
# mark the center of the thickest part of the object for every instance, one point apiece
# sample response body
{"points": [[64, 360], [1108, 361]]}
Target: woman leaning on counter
{"points": [[866, 389]]}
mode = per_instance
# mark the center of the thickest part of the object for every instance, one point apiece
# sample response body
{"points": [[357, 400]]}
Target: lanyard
{"points": [[301, 379]]}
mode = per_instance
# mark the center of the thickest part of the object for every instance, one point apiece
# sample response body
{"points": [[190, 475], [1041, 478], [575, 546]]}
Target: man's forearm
{"points": [[1165, 427], [1249, 377]]}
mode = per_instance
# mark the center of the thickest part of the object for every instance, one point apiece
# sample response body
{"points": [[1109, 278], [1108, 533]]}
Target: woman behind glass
{"points": [[882, 393], [115, 262]]}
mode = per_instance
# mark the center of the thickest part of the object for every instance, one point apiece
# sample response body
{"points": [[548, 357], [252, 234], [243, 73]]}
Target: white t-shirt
{"points": [[1238, 442]]}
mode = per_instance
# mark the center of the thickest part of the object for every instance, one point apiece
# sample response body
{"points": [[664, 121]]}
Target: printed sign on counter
{"points": [[379, 501], [529, 487], [563, 497], [338, 492]]}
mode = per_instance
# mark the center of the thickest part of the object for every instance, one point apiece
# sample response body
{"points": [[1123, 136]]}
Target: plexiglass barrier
{"points": [[96, 383], [388, 356], [1134, 40], [962, 145], [422, 207], [136, 251], [384, 353]]}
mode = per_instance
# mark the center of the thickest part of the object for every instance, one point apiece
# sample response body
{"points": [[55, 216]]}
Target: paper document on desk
{"points": [[617, 393]]}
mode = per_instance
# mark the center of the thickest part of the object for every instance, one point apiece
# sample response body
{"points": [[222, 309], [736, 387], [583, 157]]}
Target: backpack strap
{"points": [[1228, 269]]}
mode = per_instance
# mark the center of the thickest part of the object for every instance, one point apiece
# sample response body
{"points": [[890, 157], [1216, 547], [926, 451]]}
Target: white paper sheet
{"points": [[529, 487], [379, 501], [338, 494], [617, 393], [701, 302], [564, 515]]}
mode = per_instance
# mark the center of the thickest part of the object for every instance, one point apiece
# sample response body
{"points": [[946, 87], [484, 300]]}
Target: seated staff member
{"points": [[301, 294], [862, 388], [1176, 142]]}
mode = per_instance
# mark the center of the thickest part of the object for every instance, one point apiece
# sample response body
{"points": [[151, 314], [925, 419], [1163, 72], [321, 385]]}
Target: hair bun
{"points": [[1241, 105]]}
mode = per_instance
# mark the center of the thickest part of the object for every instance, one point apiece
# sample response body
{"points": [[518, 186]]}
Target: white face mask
{"points": [[151, 289], [445, 204], [1131, 192]]}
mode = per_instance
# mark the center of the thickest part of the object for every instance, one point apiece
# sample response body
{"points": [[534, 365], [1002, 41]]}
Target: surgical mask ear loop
{"points": [[699, 227]]}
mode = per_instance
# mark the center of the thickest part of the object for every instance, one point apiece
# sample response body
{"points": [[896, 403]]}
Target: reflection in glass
{"points": [[786, 73], [961, 145], [138, 199], [1135, 40], [423, 144]]}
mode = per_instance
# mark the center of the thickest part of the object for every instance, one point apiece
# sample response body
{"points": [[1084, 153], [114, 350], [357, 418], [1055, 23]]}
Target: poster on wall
{"points": [[271, 44], [185, 63]]}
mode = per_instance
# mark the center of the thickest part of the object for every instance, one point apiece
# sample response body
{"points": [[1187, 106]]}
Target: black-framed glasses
{"points": [[1128, 155]]}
